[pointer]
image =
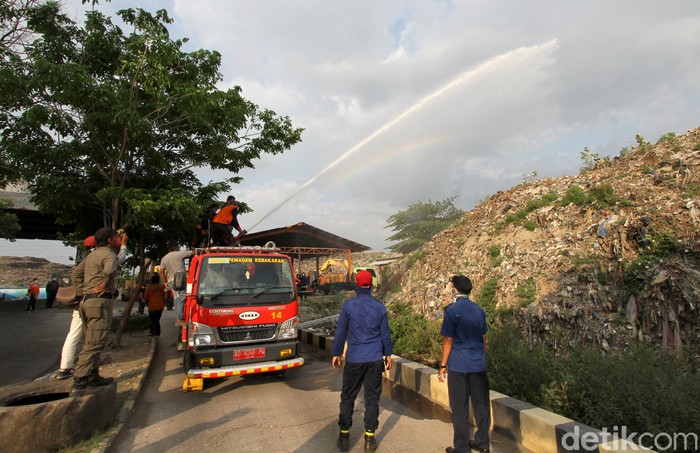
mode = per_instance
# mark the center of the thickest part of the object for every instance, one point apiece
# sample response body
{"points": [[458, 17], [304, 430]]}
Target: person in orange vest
{"points": [[225, 221], [155, 298], [33, 292]]}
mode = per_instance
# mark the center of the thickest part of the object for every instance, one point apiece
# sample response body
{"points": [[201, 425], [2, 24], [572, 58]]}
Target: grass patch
{"points": [[414, 258], [328, 304], [692, 190], [600, 197], [531, 206], [527, 292], [578, 261], [636, 273], [86, 446]]}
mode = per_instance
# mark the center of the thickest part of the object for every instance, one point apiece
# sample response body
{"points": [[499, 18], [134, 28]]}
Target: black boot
{"points": [[79, 385], [344, 441], [95, 380], [370, 441]]}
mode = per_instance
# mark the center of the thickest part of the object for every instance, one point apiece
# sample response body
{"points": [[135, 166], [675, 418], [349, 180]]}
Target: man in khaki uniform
{"points": [[96, 308]]}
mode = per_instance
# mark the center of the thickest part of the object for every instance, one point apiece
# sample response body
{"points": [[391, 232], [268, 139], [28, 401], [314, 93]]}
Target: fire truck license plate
{"points": [[252, 353]]}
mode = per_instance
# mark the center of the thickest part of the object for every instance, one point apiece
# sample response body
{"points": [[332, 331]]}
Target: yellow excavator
{"points": [[333, 276]]}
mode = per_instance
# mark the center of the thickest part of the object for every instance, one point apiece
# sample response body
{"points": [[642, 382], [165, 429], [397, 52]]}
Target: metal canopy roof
{"points": [[302, 240]]}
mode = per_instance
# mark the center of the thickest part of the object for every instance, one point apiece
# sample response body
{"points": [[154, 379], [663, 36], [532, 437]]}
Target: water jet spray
{"points": [[459, 80]]}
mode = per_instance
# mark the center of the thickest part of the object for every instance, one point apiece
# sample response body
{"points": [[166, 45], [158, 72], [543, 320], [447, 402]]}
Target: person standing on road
{"points": [[96, 308], [51, 291], [155, 299], [225, 221], [464, 364], [172, 263], [364, 323], [33, 294], [75, 331]]}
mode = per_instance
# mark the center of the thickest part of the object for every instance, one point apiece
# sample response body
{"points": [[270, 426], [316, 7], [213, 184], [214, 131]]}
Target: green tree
{"points": [[9, 223], [107, 125], [420, 222], [104, 119]]}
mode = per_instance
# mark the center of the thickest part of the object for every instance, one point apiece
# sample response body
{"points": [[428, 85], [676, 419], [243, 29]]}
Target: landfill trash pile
{"points": [[607, 257], [20, 270]]}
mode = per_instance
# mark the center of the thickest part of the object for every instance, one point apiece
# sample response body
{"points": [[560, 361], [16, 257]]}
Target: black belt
{"points": [[99, 296]]}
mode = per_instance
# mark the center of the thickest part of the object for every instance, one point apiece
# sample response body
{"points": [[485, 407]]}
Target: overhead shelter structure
{"points": [[303, 241], [35, 225]]}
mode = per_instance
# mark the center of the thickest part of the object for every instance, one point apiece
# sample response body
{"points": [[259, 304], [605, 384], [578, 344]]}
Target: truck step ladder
{"points": [[193, 384]]}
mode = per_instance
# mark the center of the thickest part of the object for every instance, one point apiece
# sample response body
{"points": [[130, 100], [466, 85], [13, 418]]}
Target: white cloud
{"points": [[570, 75]]}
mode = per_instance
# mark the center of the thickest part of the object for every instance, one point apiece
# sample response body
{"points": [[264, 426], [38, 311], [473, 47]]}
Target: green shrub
{"points": [[578, 261], [527, 292], [577, 196], [592, 161], [692, 190], [487, 298], [636, 272], [532, 205], [669, 137], [604, 195], [643, 146], [529, 225], [495, 252], [516, 370], [638, 389], [599, 197], [414, 336], [414, 258]]}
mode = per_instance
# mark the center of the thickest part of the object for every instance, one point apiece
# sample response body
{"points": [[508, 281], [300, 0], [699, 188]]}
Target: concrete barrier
{"points": [[534, 428]]}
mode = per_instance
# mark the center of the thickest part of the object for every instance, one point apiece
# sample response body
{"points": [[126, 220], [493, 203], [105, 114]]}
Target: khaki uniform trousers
{"points": [[96, 316]]}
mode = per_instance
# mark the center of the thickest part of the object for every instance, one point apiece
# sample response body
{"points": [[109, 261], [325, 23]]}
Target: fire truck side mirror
{"points": [[180, 281]]}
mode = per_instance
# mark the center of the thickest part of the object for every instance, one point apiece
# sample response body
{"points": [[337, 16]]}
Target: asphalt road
{"points": [[261, 413], [30, 342], [257, 413]]}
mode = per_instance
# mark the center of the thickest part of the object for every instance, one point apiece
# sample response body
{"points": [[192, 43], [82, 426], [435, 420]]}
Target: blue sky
{"points": [[415, 101]]}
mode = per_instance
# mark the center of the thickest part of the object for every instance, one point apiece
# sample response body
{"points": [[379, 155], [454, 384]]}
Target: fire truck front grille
{"points": [[252, 334]]}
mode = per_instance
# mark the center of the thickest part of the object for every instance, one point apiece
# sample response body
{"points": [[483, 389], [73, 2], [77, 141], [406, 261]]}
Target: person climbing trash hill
{"points": [[225, 221]]}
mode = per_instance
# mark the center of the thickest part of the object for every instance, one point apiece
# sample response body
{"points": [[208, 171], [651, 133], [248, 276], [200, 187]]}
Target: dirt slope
{"points": [[582, 273], [19, 271]]}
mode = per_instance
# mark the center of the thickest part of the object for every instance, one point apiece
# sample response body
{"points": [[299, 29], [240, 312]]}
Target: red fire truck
{"points": [[241, 310]]}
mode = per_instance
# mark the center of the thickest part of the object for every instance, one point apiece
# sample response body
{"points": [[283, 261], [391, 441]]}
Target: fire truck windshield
{"points": [[223, 278]]}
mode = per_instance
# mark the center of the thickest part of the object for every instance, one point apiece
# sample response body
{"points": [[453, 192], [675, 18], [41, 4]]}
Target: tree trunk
{"points": [[140, 280]]}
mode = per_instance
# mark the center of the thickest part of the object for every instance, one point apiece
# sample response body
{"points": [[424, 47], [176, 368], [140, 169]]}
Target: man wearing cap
{"points": [[464, 363], [172, 263], [75, 331], [364, 324], [96, 307], [225, 221]]}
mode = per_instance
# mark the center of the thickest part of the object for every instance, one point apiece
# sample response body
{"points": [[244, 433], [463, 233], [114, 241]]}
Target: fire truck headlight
{"points": [[200, 335], [289, 329]]}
